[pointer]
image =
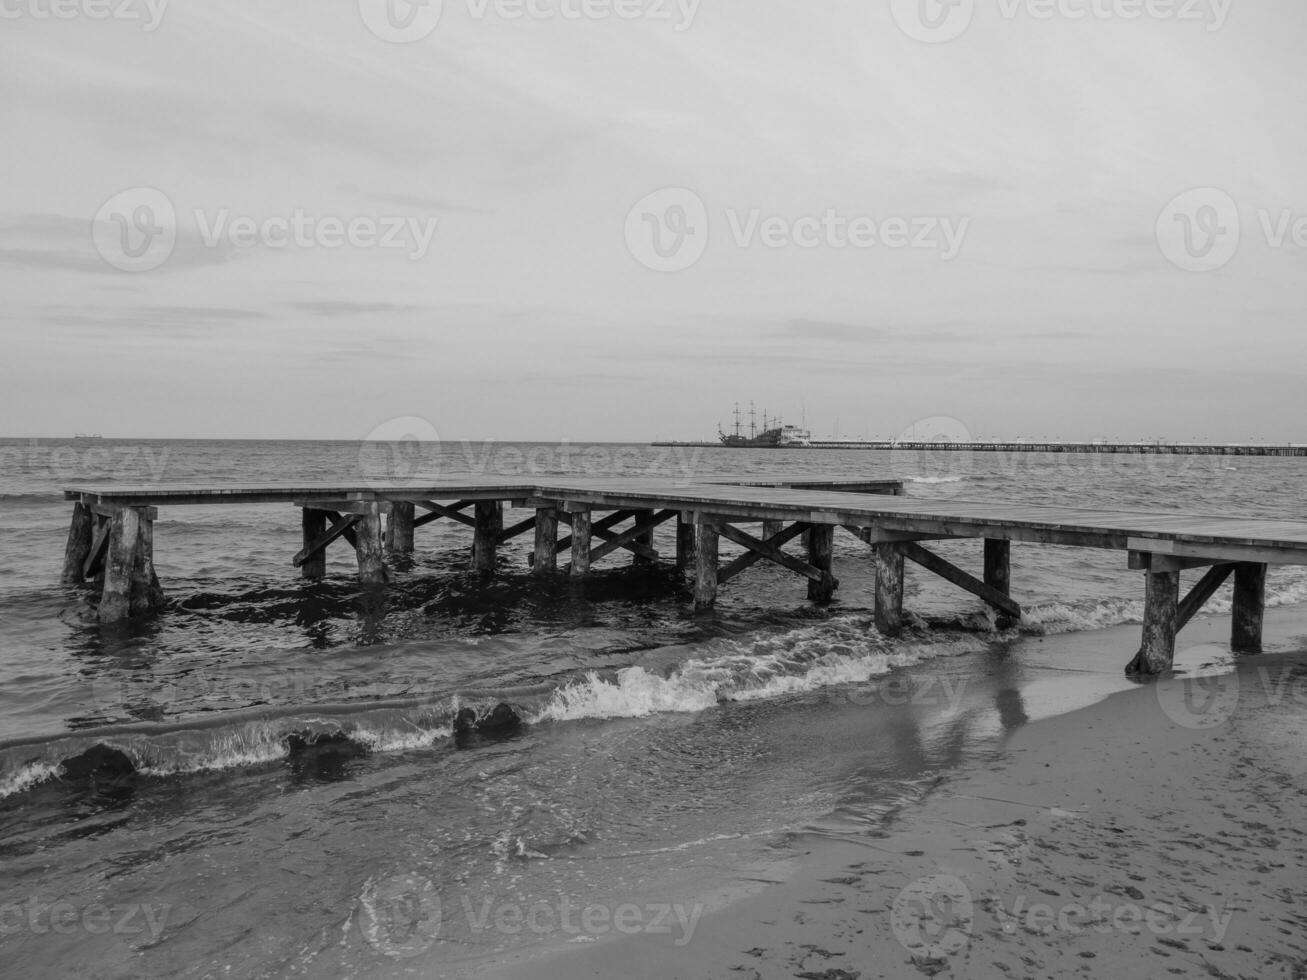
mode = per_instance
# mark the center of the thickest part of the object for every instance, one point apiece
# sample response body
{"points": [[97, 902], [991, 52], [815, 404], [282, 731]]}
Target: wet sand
{"points": [[1159, 832]]}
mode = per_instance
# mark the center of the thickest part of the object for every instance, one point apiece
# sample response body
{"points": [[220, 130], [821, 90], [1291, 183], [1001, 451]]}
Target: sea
{"points": [[264, 780]]}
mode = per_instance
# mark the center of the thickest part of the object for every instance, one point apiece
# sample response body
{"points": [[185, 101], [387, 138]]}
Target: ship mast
{"points": [[753, 422], [737, 420]]}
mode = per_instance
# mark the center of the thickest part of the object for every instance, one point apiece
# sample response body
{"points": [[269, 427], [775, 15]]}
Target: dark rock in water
{"points": [[502, 717], [500, 721], [98, 762], [337, 744]]}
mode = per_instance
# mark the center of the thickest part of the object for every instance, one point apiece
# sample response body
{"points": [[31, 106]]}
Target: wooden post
{"points": [[581, 520], [399, 528], [489, 518], [120, 565], [998, 565], [684, 541], [1249, 607], [78, 549], [546, 552], [372, 562], [314, 524], [889, 588], [643, 561], [821, 544], [147, 594], [772, 528], [1161, 613], [706, 540]]}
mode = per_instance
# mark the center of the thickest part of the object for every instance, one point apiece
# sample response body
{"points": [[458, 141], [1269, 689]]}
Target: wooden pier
{"points": [[1289, 450], [583, 521]]}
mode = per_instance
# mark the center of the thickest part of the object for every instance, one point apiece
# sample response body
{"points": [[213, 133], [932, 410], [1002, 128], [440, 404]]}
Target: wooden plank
{"points": [[951, 573], [1200, 593], [600, 527], [105, 510], [753, 556], [517, 530], [1249, 607], [768, 550], [343, 524], [630, 539], [1144, 561], [452, 513], [1220, 552]]}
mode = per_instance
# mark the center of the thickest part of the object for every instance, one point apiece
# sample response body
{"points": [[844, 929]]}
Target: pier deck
{"points": [[111, 541]]}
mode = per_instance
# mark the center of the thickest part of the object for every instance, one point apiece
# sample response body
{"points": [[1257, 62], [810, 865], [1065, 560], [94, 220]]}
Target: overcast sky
{"points": [[873, 221]]}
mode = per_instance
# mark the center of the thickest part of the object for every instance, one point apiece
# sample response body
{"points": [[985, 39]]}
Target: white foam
{"points": [[27, 777]]}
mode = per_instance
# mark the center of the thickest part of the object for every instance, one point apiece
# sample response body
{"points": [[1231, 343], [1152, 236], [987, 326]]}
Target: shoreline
{"points": [[1175, 846]]}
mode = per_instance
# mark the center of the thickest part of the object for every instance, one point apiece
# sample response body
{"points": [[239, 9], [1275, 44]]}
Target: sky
{"points": [[615, 219]]}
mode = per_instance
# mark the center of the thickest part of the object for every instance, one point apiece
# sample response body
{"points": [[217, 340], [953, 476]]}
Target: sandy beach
{"points": [[1157, 832]]}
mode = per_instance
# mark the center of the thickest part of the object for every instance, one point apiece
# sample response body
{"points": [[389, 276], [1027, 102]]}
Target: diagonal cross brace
{"points": [[759, 549]]}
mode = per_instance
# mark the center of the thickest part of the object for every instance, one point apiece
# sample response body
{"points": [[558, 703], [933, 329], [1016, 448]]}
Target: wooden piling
{"points": [[684, 541], [487, 528], [546, 547], [399, 528], [581, 523], [1161, 616], [821, 545], [120, 566], [998, 565], [80, 534], [646, 539], [147, 594], [706, 542], [1249, 607], [772, 528], [888, 558], [372, 562], [314, 525]]}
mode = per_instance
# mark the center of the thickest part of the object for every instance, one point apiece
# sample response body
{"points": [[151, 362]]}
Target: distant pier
{"points": [[111, 540], [1087, 448]]}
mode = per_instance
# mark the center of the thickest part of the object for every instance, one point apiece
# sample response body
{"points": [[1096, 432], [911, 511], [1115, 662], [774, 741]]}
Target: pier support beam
{"points": [[888, 558], [1249, 607], [998, 565], [78, 550], [706, 542], [399, 528], [1161, 617], [684, 542], [546, 547], [821, 546], [131, 587], [367, 544], [314, 524], [581, 522], [772, 528], [488, 528]]}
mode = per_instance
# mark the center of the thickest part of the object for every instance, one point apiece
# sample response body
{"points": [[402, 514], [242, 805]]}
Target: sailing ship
{"points": [[774, 433]]}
